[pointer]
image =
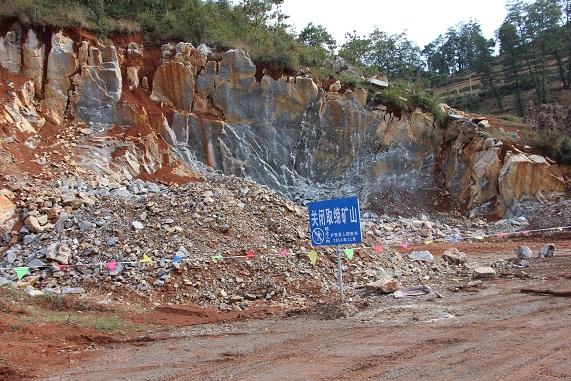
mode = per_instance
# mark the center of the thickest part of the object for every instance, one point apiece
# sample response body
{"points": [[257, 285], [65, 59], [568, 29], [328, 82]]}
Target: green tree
{"points": [[316, 36], [508, 37], [356, 48]]}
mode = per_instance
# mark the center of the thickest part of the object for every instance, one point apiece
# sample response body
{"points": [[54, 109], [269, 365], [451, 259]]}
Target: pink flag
{"points": [[525, 232], [112, 265], [250, 254], [378, 249], [284, 253], [404, 245], [502, 235]]}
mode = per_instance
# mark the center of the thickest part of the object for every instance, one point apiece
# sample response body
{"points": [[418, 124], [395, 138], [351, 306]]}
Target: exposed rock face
{"points": [[173, 84], [62, 64], [529, 175], [474, 173], [287, 134], [33, 52], [101, 84], [11, 52], [133, 76], [20, 111]]}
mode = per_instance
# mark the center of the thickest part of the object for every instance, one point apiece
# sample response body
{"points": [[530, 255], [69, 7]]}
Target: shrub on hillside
{"points": [[406, 97]]}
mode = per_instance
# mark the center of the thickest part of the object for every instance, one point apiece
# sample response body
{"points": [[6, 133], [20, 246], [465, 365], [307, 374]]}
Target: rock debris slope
{"points": [[191, 105]]}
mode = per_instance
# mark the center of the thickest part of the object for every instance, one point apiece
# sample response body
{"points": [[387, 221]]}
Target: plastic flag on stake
{"points": [[21, 271], [177, 259], [250, 254], [525, 233], [111, 266], [560, 229], [428, 242], [479, 237], [378, 249], [146, 259], [312, 257], [404, 245], [349, 254], [217, 257], [283, 253]]}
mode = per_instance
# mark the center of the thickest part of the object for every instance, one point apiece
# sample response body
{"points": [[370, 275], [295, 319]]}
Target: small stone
{"points": [[72, 290], [31, 291], [547, 251], [36, 264], [138, 225], [454, 256], [53, 213], [422, 256], [33, 224], [111, 241], [86, 226], [483, 272], [524, 252], [153, 188], [43, 219], [385, 285], [29, 238], [4, 281], [236, 298]]}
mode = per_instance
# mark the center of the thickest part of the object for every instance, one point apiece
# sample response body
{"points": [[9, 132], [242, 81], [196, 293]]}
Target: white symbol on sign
{"points": [[317, 236]]}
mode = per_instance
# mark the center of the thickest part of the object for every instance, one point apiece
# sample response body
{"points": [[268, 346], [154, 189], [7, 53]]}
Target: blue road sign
{"points": [[335, 222]]}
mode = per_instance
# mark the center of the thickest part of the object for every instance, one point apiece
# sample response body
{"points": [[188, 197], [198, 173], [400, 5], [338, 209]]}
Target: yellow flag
{"points": [[428, 242], [312, 257], [146, 259]]}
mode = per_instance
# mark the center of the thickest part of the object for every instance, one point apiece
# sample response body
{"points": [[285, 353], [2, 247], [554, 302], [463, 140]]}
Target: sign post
{"points": [[335, 223], [340, 273]]}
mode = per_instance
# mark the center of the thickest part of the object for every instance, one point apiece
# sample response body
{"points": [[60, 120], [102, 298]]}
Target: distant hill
{"points": [[465, 91]]}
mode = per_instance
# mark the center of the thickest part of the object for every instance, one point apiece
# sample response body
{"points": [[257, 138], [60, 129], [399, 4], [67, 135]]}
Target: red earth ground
{"points": [[486, 332]]}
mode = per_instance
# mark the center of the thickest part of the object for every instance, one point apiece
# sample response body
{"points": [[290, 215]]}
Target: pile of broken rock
{"points": [[72, 228]]}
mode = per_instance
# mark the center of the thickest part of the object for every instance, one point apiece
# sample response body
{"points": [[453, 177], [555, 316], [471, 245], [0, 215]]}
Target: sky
{"points": [[423, 20]]}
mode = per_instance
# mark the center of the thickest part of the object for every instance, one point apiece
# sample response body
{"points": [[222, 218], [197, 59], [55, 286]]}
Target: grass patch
{"points": [[406, 97], [511, 120]]}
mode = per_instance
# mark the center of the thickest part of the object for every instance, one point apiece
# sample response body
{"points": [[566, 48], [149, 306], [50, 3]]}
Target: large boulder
{"points": [[62, 64], [529, 175], [33, 52], [173, 84], [11, 52]]}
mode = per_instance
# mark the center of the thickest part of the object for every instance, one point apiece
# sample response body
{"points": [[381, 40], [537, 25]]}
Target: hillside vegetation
{"points": [[258, 26], [460, 66]]}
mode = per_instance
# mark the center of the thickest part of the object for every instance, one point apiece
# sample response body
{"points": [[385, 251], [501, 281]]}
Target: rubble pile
{"points": [[72, 230]]}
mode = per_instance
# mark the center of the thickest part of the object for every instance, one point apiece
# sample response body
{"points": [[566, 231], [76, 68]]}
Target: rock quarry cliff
{"points": [[172, 111]]}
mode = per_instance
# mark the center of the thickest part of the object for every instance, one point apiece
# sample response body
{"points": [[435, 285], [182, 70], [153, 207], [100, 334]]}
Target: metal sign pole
{"points": [[340, 273]]}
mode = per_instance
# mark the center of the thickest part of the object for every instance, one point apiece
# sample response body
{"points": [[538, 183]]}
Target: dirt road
{"points": [[493, 333]]}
